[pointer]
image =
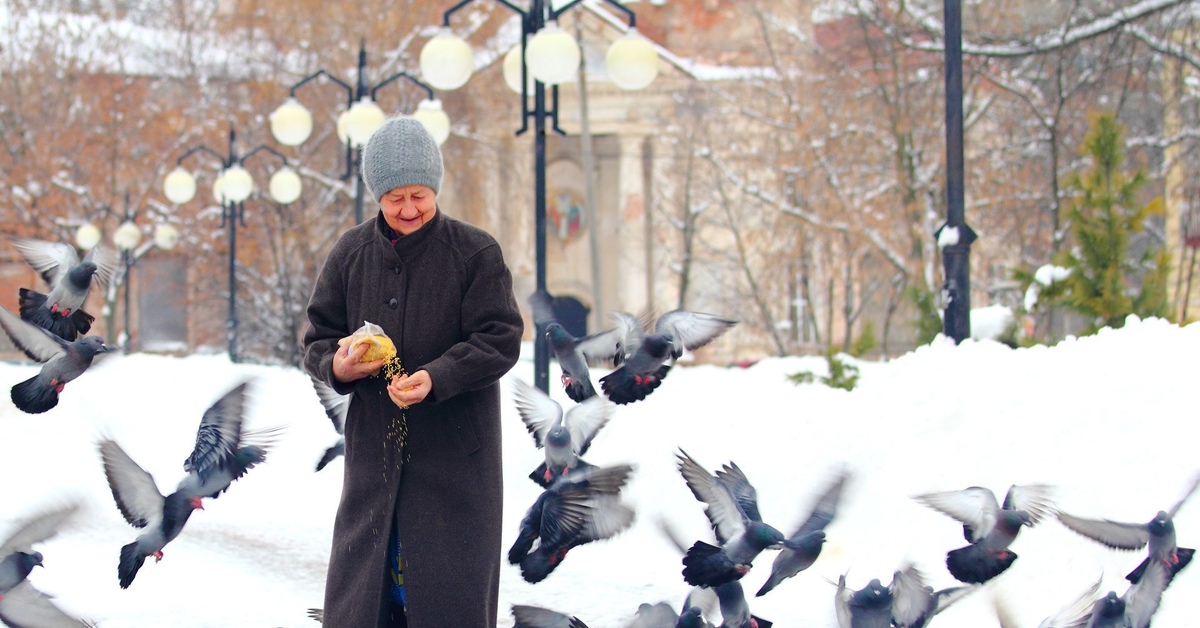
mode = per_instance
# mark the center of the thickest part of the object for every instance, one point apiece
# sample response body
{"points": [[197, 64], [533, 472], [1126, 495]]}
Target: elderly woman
{"points": [[416, 540]]}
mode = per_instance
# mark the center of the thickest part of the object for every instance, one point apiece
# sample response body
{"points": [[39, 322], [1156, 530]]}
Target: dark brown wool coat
{"points": [[444, 296]]}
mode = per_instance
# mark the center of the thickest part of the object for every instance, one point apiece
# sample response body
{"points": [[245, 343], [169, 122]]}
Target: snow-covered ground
{"points": [[1109, 420]]}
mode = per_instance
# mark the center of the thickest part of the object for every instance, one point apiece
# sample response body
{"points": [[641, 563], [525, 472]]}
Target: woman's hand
{"points": [[346, 364], [408, 390]]}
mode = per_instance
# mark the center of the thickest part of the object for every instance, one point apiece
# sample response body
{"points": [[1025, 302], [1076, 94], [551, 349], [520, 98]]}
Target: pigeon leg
{"points": [[566, 379], [66, 312], [158, 556], [54, 308]]}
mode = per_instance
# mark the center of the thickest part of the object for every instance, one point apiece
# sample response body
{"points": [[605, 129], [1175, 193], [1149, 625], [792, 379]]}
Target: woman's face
{"points": [[408, 208]]}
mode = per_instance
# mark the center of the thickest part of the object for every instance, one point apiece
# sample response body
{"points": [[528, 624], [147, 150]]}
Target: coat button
{"points": [[393, 303], [397, 269]]}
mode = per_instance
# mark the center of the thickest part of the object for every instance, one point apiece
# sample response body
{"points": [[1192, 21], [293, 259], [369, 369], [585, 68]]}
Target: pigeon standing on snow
{"points": [[224, 451], [69, 279], [537, 617], [1134, 609], [336, 406], [578, 509], [1159, 533], [20, 603], [564, 438], [801, 549], [905, 603], [989, 526], [646, 364], [732, 508], [62, 361]]}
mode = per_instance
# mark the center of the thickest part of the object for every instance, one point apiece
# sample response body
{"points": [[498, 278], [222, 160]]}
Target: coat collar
{"points": [[412, 243]]}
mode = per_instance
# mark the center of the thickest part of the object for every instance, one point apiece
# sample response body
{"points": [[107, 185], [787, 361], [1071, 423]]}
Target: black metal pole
{"points": [[362, 90], [956, 247], [541, 348], [231, 323], [128, 259]]}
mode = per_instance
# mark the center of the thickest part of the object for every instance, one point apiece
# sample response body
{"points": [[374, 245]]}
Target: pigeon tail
{"points": [[32, 306], [131, 562], [580, 390], [772, 581], [539, 474], [34, 398], [975, 564], [622, 387], [707, 565], [1183, 556], [331, 453], [759, 622]]}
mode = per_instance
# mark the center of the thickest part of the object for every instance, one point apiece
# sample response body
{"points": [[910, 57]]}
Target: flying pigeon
{"points": [[801, 549], [1134, 609], [578, 509], [20, 603], [224, 451], [646, 365], [659, 615], [69, 279], [537, 617], [1159, 533], [336, 406], [62, 361], [731, 599], [905, 603], [733, 511], [318, 614], [990, 527], [564, 438], [574, 354]]}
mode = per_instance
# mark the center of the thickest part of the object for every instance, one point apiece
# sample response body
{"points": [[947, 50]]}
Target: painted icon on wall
{"points": [[564, 214]]}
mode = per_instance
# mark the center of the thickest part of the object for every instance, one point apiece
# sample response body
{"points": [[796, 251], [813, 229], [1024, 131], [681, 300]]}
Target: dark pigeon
{"points": [[69, 278], [336, 406], [732, 508], [564, 438], [1134, 609], [989, 526], [646, 363], [537, 617], [1159, 533], [578, 509], [20, 603], [575, 354], [803, 547], [224, 451], [905, 603], [62, 361]]}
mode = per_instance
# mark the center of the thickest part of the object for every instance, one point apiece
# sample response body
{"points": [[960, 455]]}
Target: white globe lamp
{"points": [[179, 186], [552, 55], [446, 61], [291, 123], [236, 183], [512, 71], [285, 186], [361, 120], [127, 236], [632, 61], [430, 114], [87, 236], [166, 237]]}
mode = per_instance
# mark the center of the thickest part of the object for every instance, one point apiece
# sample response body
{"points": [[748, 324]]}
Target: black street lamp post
{"points": [[233, 187], [955, 236], [540, 14]]}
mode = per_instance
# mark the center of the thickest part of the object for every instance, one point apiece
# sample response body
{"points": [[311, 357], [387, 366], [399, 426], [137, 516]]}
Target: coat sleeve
{"points": [[492, 329], [327, 322]]}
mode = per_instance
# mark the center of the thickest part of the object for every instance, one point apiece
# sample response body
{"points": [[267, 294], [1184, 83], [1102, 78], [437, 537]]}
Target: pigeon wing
{"points": [[691, 330], [37, 343], [51, 260], [107, 262], [912, 599], [825, 509], [543, 308], [975, 507], [1186, 494], [564, 513], [727, 519], [606, 518], [585, 420], [537, 617], [1078, 612], [1142, 599], [336, 405], [613, 346], [219, 434], [38, 528], [1114, 534], [132, 487], [1031, 498], [538, 411], [25, 607], [743, 491], [841, 603]]}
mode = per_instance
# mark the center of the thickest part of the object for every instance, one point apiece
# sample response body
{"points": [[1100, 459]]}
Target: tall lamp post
{"points": [[546, 55], [230, 190], [127, 237], [955, 236], [292, 123]]}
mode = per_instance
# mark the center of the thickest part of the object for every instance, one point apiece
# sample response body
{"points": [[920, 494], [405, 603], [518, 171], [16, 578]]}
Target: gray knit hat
{"points": [[401, 152]]}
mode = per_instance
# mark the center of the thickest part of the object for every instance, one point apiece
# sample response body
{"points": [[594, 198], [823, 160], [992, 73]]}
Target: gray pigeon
{"points": [[69, 278], [62, 361], [732, 508], [1159, 533], [989, 526], [139, 501], [537, 617], [905, 603], [224, 451], [564, 438], [20, 603], [735, 611], [801, 549], [646, 363], [659, 615], [1134, 609], [336, 406]]}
